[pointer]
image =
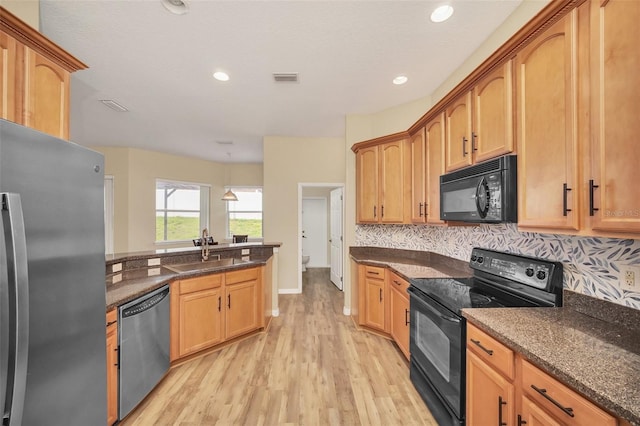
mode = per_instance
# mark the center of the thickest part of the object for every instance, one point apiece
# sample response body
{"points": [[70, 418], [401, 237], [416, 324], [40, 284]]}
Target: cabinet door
{"points": [[367, 185], [532, 415], [7, 77], [399, 317], [418, 177], [46, 101], [493, 114], [434, 135], [490, 397], [458, 143], [615, 101], [374, 303], [547, 143], [200, 320], [242, 308], [112, 374], [392, 172]]}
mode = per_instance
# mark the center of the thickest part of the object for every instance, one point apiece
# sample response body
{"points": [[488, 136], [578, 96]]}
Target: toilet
{"points": [[305, 260]]}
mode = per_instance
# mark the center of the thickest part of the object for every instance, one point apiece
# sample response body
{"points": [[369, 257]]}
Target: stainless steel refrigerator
{"points": [[52, 281]]}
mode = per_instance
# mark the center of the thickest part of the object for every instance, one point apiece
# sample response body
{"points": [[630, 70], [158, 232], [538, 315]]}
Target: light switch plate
{"points": [[116, 267], [153, 262], [246, 251]]}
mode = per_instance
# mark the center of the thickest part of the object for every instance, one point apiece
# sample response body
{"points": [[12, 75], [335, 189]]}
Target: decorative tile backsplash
{"points": [[591, 264]]}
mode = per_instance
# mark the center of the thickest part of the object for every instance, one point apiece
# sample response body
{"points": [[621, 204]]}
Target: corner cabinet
{"points": [[112, 367], [373, 297], [546, 80], [212, 309], [399, 311], [34, 78], [382, 183]]}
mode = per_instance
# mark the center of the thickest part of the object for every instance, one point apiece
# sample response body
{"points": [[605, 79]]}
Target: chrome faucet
{"points": [[205, 244]]}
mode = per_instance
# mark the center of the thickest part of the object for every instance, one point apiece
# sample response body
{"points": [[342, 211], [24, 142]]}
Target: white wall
{"points": [[287, 162]]}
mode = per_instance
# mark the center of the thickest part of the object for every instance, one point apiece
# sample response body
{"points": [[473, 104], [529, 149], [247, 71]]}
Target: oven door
{"points": [[436, 341], [465, 199]]}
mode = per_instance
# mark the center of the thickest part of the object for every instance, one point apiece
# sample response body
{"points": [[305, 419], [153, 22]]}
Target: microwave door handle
{"points": [[15, 243]]}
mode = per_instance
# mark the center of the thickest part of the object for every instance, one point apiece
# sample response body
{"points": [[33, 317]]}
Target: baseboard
{"points": [[289, 291], [346, 311], [275, 313]]}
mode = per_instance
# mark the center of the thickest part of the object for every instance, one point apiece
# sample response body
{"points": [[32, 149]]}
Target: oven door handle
{"points": [[431, 308]]}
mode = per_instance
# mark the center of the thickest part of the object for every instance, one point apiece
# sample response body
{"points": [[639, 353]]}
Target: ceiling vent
{"points": [[224, 142], [285, 77]]}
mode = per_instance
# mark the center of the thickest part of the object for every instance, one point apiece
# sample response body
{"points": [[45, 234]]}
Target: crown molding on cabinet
{"points": [[378, 141]]}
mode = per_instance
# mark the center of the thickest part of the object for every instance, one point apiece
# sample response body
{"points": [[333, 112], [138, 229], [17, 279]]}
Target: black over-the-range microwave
{"points": [[483, 193]]}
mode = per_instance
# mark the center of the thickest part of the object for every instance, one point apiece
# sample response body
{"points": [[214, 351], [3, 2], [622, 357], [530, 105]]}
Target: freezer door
{"points": [[62, 191]]}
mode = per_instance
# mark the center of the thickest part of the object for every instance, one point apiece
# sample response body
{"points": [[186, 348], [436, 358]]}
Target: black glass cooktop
{"points": [[457, 294]]}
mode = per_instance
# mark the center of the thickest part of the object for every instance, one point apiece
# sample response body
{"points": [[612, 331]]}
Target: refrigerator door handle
{"points": [[15, 244]]}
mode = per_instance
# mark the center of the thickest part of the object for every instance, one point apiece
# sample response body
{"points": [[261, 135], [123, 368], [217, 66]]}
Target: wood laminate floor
{"points": [[313, 367]]}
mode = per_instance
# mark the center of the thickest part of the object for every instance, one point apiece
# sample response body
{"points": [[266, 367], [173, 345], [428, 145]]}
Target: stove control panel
{"points": [[537, 273]]}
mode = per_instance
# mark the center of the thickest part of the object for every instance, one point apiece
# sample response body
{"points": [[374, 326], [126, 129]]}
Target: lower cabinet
{"points": [[112, 367], [373, 298], [211, 309], [399, 318], [496, 394]]}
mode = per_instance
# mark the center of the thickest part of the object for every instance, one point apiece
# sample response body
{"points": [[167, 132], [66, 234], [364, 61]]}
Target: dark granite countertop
{"points": [[598, 358], [130, 284], [412, 264]]}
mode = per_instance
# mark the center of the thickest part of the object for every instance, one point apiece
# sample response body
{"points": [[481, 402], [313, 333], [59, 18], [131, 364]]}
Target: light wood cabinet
{"points": [[490, 373], [34, 78], [112, 367], [46, 95], [546, 81], [612, 204], [480, 122], [382, 183], [7, 76], [435, 140], [418, 151], [561, 404], [502, 386], [399, 315], [373, 298], [211, 309], [242, 314]]}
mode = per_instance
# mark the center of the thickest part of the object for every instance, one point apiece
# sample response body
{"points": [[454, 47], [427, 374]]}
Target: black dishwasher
{"points": [[143, 330]]}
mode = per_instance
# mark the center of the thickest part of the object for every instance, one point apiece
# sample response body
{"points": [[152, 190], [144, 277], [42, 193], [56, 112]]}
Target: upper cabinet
{"points": [[417, 147], [480, 122], [382, 181], [612, 201], [434, 136], [546, 81], [34, 77]]}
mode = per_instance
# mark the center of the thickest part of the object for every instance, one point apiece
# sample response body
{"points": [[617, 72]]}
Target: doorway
{"points": [[320, 229]]}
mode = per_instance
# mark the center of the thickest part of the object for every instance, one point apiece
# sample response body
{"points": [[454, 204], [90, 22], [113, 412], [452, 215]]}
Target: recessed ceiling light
{"points": [[442, 13], [401, 79], [177, 7], [221, 76]]}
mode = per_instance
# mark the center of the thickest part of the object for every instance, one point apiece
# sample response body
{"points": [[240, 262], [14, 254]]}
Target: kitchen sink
{"points": [[206, 265]]}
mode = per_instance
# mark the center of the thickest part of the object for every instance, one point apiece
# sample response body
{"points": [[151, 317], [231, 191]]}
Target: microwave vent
{"points": [[490, 166]]}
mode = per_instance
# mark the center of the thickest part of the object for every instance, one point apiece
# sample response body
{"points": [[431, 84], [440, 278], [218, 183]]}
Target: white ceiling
{"points": [[160, 66]]}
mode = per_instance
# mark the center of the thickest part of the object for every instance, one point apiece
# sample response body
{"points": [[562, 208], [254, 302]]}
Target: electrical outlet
{"points": [[629, 277]]}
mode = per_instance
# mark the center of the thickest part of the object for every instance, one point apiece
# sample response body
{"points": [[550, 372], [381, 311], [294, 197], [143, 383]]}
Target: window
{"points": [[182, 210], [244, 217]]}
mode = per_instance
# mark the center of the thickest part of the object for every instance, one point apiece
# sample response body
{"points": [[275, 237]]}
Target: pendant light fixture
{"points": [[229, 195]]}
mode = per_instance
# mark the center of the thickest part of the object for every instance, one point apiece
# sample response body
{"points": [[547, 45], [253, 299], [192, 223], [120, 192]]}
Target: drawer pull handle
{"points": [[397, 282], [111, 323], [500, 404], [478, 344], [567, 410], [373, 273]]}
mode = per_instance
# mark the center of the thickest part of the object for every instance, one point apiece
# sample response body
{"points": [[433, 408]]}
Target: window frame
{"points": [[227, 211], [204, 211]]}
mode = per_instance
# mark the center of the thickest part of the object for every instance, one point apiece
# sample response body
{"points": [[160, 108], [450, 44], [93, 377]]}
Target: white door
{"points": [[336, 237], [314, 231]]}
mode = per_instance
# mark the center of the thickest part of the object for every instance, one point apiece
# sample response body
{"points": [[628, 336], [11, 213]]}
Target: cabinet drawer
{"points": [[400, 284], [559, 400], [374, 272], [491, 351], [201, 283], [241, 276]]}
